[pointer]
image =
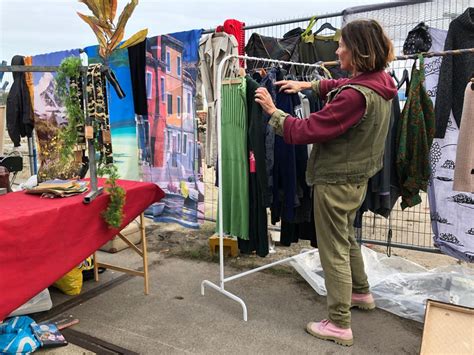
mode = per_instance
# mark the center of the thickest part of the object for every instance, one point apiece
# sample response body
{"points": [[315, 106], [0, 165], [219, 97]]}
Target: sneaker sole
{"points": [[339, 341], [363, 306]]}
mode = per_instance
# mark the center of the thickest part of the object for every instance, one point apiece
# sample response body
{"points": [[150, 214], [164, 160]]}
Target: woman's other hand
{"points": [[262, 96], [292, 87]]}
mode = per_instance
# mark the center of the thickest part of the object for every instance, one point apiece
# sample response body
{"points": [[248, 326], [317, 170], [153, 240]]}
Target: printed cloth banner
{"points": [[49, 113], [452, 212], [168, 136], [121, 112]]}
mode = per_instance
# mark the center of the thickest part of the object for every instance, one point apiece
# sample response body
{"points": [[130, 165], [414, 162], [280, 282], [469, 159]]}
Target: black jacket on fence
{"points": [[19, 109], [455, 71]]}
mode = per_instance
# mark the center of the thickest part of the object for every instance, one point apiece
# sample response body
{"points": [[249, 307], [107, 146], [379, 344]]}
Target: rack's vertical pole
{"points": [[31, 155], [219, 178]]}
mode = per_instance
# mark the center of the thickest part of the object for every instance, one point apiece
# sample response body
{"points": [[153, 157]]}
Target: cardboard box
{"points": [[449, 329]]}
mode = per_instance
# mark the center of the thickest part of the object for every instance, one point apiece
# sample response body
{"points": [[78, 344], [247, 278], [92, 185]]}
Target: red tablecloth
{"points": [[42, 239]]}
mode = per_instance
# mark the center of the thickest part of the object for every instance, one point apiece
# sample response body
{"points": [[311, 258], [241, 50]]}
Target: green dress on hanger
{"points": [[235, 170]]}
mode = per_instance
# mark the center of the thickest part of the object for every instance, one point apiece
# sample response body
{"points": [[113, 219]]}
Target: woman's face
{"points": [[345, 56]]}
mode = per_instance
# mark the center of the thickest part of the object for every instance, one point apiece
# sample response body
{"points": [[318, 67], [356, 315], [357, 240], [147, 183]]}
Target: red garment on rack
{"points": [[235, 28], [41, 239]]}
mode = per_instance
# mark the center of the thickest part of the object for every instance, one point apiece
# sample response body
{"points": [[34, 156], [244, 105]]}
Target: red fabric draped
{"points": [[42, 239]]}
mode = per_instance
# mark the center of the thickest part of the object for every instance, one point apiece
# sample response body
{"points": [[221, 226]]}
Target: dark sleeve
{"points": [[13, 116], [444, 94], [336, 117], [26, 110]]}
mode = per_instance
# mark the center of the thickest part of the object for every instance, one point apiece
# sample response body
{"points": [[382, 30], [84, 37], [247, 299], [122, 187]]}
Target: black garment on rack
{"points": [[322, 50], [284, 168], [303, 225], [19, 109], [285, 48], [268, 82], [455, 72], [258, 180], [293, 232], [383, 189], [137, 59]]}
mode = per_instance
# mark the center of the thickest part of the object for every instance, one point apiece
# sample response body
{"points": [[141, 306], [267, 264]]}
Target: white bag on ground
{"points": [[41, 302]]}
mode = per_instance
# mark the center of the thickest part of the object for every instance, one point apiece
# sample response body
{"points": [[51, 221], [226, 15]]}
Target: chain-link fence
{"points": [[411, 228]]}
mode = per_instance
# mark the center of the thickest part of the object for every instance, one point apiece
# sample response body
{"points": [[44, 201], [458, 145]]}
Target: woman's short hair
{"points": [[371, 48]]}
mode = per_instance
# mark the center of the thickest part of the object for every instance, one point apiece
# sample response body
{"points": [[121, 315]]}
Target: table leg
{"points": [[145, 252], [96, 268]]}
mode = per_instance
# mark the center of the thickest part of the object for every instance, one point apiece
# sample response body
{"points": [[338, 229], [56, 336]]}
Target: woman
{"points": [[349, 138]]}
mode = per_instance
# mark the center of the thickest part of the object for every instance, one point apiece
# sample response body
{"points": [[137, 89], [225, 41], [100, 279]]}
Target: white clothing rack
{"points": [[222, 278]]}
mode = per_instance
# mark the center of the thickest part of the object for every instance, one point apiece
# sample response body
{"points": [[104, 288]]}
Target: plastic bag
{"points": [[16, 336], [71, 283], [41, 302], [398, 285]]}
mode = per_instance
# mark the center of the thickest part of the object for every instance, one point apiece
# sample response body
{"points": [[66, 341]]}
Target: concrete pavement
{"points": [[176, 319]]}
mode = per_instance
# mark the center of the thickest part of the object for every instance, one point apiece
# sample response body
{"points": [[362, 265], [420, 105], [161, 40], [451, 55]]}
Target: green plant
{"points": [[68, 76], [67, 79], [113, 215]]}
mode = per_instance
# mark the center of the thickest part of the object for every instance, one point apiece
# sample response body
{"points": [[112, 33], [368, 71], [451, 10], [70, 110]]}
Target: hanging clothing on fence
{"points": [[285, 48], [212, 49], [383, 189], [234, 159], [451, 213], [415, 134], [137, 59], [315, 47], [464, 167], [19, 108], [455, 71]]}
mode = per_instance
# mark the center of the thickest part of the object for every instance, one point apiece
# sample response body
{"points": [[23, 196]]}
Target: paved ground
{"points": [[176, 319]]}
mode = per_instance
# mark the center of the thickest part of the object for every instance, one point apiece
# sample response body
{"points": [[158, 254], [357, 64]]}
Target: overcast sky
{"points": [[30, 27]]}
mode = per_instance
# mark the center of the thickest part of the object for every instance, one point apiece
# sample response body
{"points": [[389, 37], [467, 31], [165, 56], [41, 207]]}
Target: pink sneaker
{"points": [[363, 301], [327, 331]]}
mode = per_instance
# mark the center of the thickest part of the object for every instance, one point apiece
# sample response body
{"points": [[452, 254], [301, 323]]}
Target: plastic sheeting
{"points": [[398, 285]]}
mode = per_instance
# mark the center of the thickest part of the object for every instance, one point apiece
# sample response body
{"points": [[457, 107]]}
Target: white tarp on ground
{"points": [[398, 285]]}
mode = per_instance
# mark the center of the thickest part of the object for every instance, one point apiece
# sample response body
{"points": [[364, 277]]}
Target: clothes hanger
{"points": [[311, 24], [405, 79], [325, 26]]}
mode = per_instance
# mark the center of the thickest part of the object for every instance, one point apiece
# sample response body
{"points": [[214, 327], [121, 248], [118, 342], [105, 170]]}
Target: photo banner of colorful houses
{"points": [[168, 146]]}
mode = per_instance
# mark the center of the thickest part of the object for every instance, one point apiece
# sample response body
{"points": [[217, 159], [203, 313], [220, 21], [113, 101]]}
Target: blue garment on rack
{"points": [[284, 169], [268, 82], [16, 336]]}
